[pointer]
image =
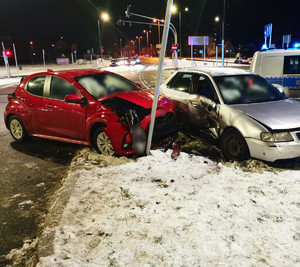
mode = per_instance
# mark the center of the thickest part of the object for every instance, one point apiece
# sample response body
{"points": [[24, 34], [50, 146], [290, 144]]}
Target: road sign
{"points": [[286, 39], [198, 40], [174, 47], [268, 30]]}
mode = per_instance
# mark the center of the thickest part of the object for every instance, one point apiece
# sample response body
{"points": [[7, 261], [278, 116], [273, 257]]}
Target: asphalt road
{"points": [[30, 172]]}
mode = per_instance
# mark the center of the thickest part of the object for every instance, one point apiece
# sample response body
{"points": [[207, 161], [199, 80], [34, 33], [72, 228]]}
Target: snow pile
{"points": [[189, 212], [7, 81]]}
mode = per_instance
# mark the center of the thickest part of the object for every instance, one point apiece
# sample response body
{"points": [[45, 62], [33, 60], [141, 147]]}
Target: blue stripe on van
{"points": [[286, 82]]}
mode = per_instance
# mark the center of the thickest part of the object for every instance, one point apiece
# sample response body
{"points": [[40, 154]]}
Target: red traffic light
{"points": [[8, 53]]}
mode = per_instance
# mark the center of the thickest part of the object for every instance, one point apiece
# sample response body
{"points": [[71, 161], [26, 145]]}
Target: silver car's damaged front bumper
{"points": [[273, 151]]}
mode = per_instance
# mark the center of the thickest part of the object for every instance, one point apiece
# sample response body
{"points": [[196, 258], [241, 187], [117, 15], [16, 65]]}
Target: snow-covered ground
{"points": [[155, 211], [30, 69]]}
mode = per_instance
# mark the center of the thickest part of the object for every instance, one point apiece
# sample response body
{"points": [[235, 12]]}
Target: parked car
{"points": [[281, 67], [248, 116], [113, 63], [87, 107], [125, 61], [242, 60]]}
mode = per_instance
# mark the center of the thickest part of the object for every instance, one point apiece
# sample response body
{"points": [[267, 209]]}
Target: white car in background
{"points": [[248, 116]]}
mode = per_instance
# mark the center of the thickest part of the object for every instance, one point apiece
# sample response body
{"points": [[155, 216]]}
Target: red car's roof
{"points": [[70, 73]]}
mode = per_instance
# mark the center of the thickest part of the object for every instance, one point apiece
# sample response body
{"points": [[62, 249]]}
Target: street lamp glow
{"points": [[186, 9], [217, 19], [174, 9], [154, 20], [105, 16]]}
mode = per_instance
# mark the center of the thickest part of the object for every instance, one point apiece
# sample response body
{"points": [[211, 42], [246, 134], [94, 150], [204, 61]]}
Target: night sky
{"points": [[45, 21]]}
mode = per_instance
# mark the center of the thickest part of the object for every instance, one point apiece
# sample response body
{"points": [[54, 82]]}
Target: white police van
{"points": [[281, 67]]}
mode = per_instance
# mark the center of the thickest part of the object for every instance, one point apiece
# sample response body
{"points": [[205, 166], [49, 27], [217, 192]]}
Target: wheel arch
{"points": [[93, 129]]}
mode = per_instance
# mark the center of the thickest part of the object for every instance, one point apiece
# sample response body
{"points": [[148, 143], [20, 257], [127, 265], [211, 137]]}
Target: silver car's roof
{"points": [[218, 71]]}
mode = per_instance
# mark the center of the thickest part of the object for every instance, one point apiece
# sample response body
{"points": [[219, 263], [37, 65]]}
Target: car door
{"points": [[178, 90], [63, 119], [202, 101], [33, 99]]}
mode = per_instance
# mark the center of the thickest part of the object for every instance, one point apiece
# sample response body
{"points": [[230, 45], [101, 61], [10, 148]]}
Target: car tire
{"points": [[102, 142], [17, 129], [234, 146]]}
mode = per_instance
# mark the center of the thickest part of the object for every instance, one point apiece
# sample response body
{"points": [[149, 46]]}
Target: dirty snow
{"points": [[155, 211]]}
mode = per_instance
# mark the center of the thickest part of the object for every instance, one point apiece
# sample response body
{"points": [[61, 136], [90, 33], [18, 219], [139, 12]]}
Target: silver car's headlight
{"points": [[276, 137]]}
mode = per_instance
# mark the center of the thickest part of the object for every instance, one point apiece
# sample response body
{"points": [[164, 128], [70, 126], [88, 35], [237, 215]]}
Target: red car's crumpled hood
{"points": [[143, 98]]}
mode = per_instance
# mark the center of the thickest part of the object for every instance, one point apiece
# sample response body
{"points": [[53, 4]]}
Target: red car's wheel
{"points": [[17, 129], [102, 143]]}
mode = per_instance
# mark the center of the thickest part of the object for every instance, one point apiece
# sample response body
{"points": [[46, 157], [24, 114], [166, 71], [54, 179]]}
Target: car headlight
{"points": [[276, 137]]}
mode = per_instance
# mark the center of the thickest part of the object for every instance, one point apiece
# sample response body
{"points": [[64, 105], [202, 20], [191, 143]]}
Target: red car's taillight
{"points": [[11, 96]]}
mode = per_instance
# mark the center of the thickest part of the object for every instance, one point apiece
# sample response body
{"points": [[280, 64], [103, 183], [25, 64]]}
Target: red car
{"points": [[87, 107]]}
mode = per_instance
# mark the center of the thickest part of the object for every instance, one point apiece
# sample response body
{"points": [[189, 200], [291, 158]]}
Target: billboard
{"points": [[198, 40]]}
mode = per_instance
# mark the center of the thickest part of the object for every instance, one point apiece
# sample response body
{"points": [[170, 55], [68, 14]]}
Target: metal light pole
{"points": [[105, 17], [121, 48], [147, 33], [223, 30], [158, 29], [159, 74], [16, 60], [6, 61], [186, 9], [139, 38], [170, 26]]}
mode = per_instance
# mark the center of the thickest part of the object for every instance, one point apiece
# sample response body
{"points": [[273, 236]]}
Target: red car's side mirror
{"points": [[138, 84], [73, 98]]}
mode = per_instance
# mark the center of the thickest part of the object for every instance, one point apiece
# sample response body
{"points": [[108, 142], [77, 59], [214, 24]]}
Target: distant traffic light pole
{"points": [[6, 61], [15, 53], [171, 26], [223, 29]]}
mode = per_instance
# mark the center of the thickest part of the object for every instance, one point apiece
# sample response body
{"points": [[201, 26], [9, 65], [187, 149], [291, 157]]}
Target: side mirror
{"points": [[138, 84], [73, 98]]}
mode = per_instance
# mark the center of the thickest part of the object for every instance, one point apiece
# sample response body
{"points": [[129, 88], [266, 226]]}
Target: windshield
{"points": [[103, 84], [243, 89]]}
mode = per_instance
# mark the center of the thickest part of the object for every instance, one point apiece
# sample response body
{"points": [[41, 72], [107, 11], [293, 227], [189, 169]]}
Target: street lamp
{"points": [[174, 10], [104, 16], [158, 28], [223, 30], [217, 20], [139, 38], [133, 45], [147, 33]]}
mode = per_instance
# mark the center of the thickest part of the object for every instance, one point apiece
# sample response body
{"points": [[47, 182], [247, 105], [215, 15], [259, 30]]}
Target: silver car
{"points": [[248, 116]]}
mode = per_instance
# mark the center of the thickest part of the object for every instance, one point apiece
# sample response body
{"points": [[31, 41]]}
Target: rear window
{"points": [[291, 65], [35, 86]]}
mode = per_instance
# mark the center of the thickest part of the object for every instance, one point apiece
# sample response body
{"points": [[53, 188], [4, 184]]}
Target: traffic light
{"points": [[178, 48], [8, 53], [127, 12], [216, 36]]}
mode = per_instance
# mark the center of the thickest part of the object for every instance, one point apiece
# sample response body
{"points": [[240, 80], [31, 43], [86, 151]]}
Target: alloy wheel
{"points": [[104, 144], [16, 129]]}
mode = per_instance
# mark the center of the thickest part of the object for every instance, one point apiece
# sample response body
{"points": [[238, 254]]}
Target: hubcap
{"points": [[104, 145], [16, 129]]}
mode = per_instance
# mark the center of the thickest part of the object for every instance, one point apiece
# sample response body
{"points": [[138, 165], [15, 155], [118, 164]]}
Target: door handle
{"points": [[23, 99], [49, 106]]}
